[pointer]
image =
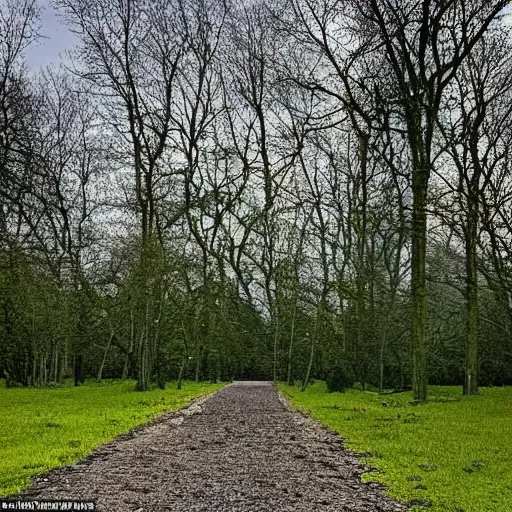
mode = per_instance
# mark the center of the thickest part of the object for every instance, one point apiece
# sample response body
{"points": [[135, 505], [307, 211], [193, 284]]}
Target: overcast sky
{"points": [[56, 40]]}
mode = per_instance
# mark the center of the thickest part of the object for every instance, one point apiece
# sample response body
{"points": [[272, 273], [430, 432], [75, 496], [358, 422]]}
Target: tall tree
{"points": [[473, 143], [425, 48]]}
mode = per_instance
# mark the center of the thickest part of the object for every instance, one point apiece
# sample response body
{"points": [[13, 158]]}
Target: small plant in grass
{"points": [[473, 466]]}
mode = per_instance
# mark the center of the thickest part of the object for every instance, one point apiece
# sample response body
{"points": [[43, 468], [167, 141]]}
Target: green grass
{"points": [[44, 428], [454, 451]]}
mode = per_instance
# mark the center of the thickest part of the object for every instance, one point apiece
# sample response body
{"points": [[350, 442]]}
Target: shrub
{"points": [[340, 378]]}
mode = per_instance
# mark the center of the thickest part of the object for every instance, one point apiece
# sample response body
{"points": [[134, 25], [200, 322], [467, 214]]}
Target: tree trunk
{"points": [[276, 337], [383, 343], [471, 361], [360, 332], [362, 278], [127, 360], [182, 369], [418, 276], [34, 347], [79, 360], [290, 348], [420, 177], [55, 365], [100, 371], [198, 364], [313, 346], [144, 373]]}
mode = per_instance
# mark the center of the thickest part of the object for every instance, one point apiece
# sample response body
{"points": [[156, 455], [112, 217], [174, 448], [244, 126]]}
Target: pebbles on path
{"points": [[243, 449]]}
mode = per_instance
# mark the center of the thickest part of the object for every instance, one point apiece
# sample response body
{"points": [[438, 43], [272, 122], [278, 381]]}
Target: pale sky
{"points": [[57, 38]]}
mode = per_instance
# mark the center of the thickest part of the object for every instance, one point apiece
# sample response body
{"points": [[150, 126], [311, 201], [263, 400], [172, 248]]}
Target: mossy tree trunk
{"points": [[420, 177]]}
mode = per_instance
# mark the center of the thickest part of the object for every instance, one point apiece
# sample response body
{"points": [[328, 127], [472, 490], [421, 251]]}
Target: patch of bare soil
{"points": [[243, 449]]}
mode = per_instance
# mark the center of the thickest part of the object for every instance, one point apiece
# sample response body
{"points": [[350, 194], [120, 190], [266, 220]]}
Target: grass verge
{"points": [[41, 429], [453, 452]]}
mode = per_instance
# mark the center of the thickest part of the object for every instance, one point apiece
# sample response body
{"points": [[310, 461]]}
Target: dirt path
{"points": [[242, 450]]}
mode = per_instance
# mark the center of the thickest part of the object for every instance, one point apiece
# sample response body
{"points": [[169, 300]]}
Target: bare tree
{"points": [[474, 144]]}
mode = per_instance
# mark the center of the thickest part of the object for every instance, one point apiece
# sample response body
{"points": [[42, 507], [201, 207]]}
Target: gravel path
{"points": [[243, 450]]}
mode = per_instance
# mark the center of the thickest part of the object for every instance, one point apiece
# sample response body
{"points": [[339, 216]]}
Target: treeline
{"points": [[286, 190]]}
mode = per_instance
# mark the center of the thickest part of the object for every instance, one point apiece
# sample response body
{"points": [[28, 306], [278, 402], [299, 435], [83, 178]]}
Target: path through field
{"points": [[242, 450]]}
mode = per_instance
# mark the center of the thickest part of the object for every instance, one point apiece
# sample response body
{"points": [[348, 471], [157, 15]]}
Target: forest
{"points": [[289, 190]]}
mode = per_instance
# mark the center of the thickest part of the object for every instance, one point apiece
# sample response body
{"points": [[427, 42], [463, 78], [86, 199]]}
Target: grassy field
{"points": [[455, 451], [44, 428]]}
